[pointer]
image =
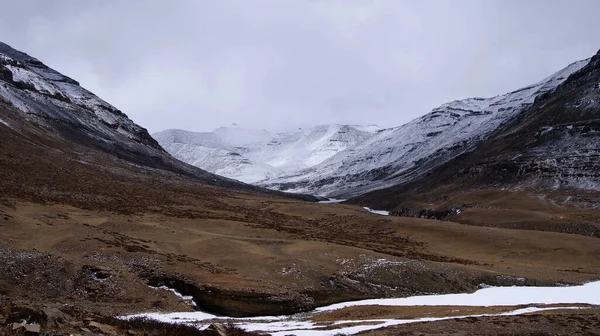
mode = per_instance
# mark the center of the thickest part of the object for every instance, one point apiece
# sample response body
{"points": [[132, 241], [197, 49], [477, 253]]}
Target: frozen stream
{"points": [[300, 324]]}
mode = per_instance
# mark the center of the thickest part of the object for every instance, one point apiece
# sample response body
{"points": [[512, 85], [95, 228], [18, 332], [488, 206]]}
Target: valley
{"points": [[96, 216], [282, 258]]}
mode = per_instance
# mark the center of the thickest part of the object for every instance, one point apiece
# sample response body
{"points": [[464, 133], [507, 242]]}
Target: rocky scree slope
{"points": [[402, 154], [252, 155]]}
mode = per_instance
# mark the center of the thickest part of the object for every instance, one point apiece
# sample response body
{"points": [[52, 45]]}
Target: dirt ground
{"points": [[257, 255], [568, 322], [414, 312]]}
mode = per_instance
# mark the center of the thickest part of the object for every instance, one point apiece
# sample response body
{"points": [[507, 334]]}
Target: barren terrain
{"points": [[94, 234]]}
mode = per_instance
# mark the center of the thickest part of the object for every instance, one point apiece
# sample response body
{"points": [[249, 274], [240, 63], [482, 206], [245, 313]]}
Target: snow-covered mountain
{"points": [[403, 153], [345, 161], [219, 152], [549, 155], [251, 155], [69, 129], [308, 147], [45, 94], [70, 114]]}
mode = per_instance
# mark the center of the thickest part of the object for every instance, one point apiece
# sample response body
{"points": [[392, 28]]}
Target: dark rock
{"points": [[54, 315], [216, 329], [33, 328], [104, 328], [29, 328]]}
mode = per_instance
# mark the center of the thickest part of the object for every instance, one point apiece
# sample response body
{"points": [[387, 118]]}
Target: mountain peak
{"points": [[251, 155], [397, 155], [15, 54], [60, 102]]}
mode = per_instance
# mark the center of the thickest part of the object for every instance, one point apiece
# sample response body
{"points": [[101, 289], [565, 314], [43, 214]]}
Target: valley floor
{"points": [[249, 255]]}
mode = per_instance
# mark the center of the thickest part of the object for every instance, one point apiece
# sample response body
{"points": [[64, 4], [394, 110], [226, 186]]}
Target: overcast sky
{"points": [[282, 64]]}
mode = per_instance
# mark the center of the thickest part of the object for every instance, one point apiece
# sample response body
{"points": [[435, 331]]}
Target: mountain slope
{"points": [[45, 109], [308, 147], [404, 153], [544, 161], [215, 153], [253, 155]]}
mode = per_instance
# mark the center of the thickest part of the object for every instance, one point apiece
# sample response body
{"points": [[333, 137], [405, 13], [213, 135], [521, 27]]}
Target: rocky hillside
{"points": [[407, 152]]}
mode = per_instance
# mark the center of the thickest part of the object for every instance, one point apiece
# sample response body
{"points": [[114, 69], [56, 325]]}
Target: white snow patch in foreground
{"points": [[4, 123], [391, 322], [377, 212], [492, 296], [284, 325]]}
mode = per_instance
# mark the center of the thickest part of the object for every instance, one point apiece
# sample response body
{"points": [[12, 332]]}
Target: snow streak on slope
{"points": [[308, 147], [251, 155], [400, 154]]}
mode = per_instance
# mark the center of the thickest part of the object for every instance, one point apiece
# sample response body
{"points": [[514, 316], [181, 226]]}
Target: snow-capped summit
{"points": [[308, 147], [220, 152], [251, 155]]}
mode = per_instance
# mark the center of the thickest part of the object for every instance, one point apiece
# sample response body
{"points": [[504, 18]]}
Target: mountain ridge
{"points": [[251, 155], [546, 160], [413, 149], [67, 115]]}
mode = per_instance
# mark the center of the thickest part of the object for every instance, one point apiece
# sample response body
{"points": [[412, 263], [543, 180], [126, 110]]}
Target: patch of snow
{"points": [[376, 324], [25, 76], [185, 317], [4, 123], [178, 294], [492, 296], [377, 212], [300, 324], [332, 201]]}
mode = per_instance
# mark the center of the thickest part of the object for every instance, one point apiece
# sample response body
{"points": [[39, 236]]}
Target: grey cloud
{"points": [[281, 64]]}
